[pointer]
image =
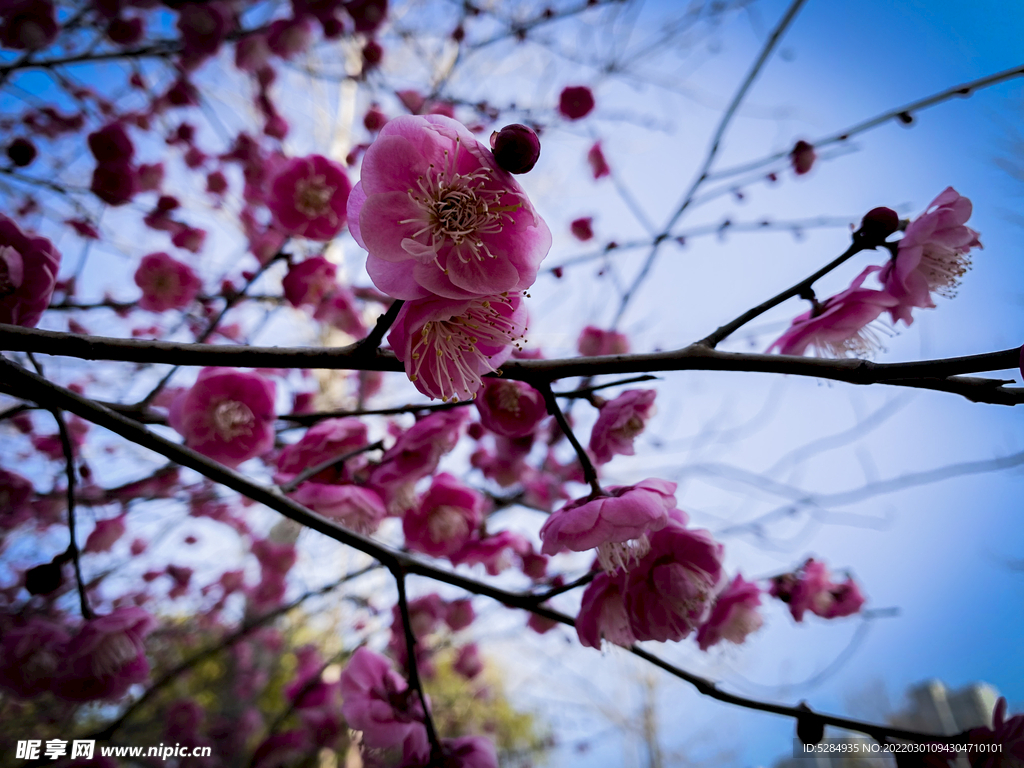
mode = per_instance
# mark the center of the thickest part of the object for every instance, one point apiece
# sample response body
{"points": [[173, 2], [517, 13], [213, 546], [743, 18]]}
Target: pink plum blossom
{"points": [[575, 102], [166, 283], [378, 702], [105, 534], [204, 26], [734, 616], [619, 422], [28, 274], [447, 345], [459, 614], [227, 415], [463, 752], [802, 157], [351, 505], [671, 591], [510, 408], [593, 342], [447, 516], [603, 612], [1008, 733], [106, 657], [811, 588], [330, 438], [838, 326], [309, 281], [617, 524], [438, 216], [339, 310], [28, 24], [582, 228], [29, 656], [493, 552], [415, 455], [468, 662], [15, 493], [932, 256], [598, 165], [308, 197]]}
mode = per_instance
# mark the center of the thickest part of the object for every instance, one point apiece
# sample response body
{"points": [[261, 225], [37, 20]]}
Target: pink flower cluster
{"points": [[811, 588], [931, 258], [28, 274], [454, 235]]}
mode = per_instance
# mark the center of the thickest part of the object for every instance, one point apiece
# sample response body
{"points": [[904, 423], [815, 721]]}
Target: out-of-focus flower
{"points": [[28, 274], [227, 415], [598, 165], [106, 657], [811, 588], [575, 102], [802, 157], [670, 592], [438, 216], [510, 408], [734, 616], [619, 422], [368, 15], [582, 228], [339, 310], [378, 702], [30, 655], [618, 525], [105, 534], [28, 25], [308, 197], [330, 438], [447, 345], [838, 326], [603, 612], [309, 281], [351, 505], [594, 342], [166, 283], [932, 256], [446, 517], [1008, 733]]}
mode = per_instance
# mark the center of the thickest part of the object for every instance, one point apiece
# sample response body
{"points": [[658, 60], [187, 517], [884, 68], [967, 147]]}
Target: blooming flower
{"points": [[326, 439], [619, 422], [575, 102], [670, 592], [438, 216], [354, 507], [227, 415], [106, 657], [166, 283], [617, 524], [811, 588], [734, 616], [838, 326], [28, 274], [447, 516], [29, 656], [447, 345], [603, 612], [493, 552], [378, 702], [932, 256], [339, 309], [1007, 733], [309, 281], [105, 534], [463, 752], [308, 197], [594, 342], [510, 408]]}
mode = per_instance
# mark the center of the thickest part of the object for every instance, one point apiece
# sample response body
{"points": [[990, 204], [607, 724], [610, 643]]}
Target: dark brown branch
{"points": [[371, 343], [589, 472]]}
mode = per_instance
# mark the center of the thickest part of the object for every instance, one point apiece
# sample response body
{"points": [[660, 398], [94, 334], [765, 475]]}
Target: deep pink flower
{"points": [[438, 216], [582, 228], [288, 37], [227, 415], [105, 534], [367, 15], [811, 588], [28, 274], [932, 256], [1007, 733], [308, 197], [106, 657], [618, 525], [415, 455], [619, 422], [354, 507], [838, 326], [28, 25], [734, 616], [330, 438], [111, 144], [21, 152], [594, 342], [507, 464], [339, 310], [670, 592], [115, 183], [802, 157], [447, 516], [603, 612], [459, 614], [378, 702], [166, 283], [30, 655], [575, 102], [463, 752], [15, 492], [468, 662], [598, 165], [510, 408], [204, 26], [309, 281], [493, 552], [447, 345]]}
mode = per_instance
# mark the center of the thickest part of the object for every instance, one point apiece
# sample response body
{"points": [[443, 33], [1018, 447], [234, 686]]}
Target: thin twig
{"points": [[316, 469], [589, 472]]}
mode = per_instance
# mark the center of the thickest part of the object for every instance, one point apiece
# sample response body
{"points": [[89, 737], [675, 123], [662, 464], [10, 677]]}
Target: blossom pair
{"points": [[453, 235]]}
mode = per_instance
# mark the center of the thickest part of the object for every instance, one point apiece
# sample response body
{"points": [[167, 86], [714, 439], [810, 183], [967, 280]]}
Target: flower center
{"points": [[633, 427], [10, 280], [508, 398], [447, 522], [459, 209], [40, 665], [622, 554], [112, 654], [453, 346], [232, 419], [943, 268], [313, 196], [741, 622]]}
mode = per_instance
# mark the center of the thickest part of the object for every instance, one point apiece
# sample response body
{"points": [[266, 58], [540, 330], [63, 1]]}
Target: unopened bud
{"points": [[516, 148], [878, 224]]}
